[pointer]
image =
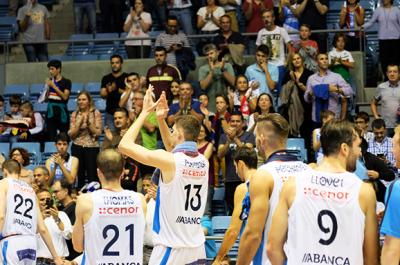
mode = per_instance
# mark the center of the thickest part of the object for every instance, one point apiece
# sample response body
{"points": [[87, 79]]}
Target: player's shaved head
{"points": [[274, 127], [12, 166], [111, 164]]}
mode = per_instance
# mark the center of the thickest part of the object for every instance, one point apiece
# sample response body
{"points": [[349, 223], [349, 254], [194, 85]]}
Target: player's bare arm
{"points": [[3, 202], [261, 187], [83, 211]]}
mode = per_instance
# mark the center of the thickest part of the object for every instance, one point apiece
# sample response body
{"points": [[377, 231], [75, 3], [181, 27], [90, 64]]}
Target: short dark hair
{"points": [[226, 16], [24, 153], [224, 97], [305, 25], [172, 17], [263, 48], [392, 65], [63, 137], [159, 49], [326, 113], [15, 100], [336, 38], [247, 155], [117, 56], [110, 163], [362, 115], [133, 73], [190, 126], [12, 166], [64, 185], [268, 10], [122, 110], [241, 76], [1, 98], [334, 133], [54, 63], [237, 113], [378, 123]]}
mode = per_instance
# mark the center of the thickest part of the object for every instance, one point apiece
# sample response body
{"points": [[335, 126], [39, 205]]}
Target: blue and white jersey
{"points": [[180, 204]]}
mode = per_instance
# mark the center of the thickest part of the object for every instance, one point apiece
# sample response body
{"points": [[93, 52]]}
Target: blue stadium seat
{"points": [[218, 202], [100, 105], [4, 149], [93, 88], [9, 22], [104, 57], [49, 149], [297, 147], [76, 88], [33, 149], [85, 57], [35, 90], [17, 89], [220, 224], [71, 105], [40, 107]]}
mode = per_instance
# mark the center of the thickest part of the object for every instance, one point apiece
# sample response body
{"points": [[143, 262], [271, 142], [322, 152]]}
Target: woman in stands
{"points": [[137, 24], [240, 99], [21, 155], [85, 129], [265, 106], [352, 17]]}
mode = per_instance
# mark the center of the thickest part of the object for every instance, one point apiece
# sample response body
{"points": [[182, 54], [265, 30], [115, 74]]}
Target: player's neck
{"points": [[332, 164], [12, 176], [111, 186], [249, 174], [269, 152]]}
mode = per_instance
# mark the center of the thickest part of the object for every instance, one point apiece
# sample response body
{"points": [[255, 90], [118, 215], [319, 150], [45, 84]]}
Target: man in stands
{"points": [[110, 222], [388, 95], [161, 75], [121, 125], [271, 137], [112, 86], [327, 204], [20, 220], [62, 165], [41, 177], [381, 145]]}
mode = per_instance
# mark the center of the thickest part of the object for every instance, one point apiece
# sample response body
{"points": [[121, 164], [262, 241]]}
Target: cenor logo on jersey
{"points": [[324, 194], [119, 211]]}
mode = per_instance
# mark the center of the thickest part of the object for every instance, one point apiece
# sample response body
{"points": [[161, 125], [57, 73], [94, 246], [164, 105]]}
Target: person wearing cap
{"points": [[214, 75]]}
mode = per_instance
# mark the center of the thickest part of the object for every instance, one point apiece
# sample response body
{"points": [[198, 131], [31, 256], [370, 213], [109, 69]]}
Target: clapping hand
{"points": [[148, 103], [162, 107]]}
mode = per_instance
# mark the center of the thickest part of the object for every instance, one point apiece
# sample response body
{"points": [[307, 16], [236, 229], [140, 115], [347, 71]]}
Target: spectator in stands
{"points": [[57, 116], [275, 38], [308, 49], [361, 121], [59, 226], [21, 155], [245, 161], [220, 122], [112, 15], [314, 15], [340, 60], [181, 11], [14, 114], [241, 99], [121, 125], [206, 148], [289, 13], [252, 10], [388, 95], [388, 18], [41, 177], [230, 7], [82, 8], [2, 106], [326, 90], [112, 86], [33, 21], [61, 164], [381, 145], [158, 10], [234, 137], [150, 193], [172, 40], [326, 116], [137, 24], [132, 85], [214, 75], [352, 17], [175, 91], [262, 74], [62, 193], [231, 42], [162, 74], [13, 7], [264, 106], [298, 75], [85, 129], [36, 125], [208, 22], [186, 105]]}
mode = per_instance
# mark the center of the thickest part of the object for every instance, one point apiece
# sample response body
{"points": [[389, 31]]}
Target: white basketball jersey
{"points": [[281, 171], [114, 232], [326, 223], [180, 204], [22, 209]]}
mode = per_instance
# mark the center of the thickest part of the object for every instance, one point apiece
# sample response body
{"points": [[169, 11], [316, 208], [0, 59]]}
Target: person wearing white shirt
{"points": [[59, 226]]}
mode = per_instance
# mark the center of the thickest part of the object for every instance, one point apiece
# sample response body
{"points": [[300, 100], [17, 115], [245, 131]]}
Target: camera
{"points": [[49, 203]]}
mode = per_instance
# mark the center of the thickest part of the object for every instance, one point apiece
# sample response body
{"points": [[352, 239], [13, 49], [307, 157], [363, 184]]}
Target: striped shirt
{"points": [[166, 40], [385, 148]]}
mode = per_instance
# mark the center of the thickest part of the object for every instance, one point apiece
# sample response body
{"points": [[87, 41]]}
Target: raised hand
{"points": [[162, 107], [148, 103]]}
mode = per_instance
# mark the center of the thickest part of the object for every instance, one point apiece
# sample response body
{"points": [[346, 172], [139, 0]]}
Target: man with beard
{"points": [[112, 86], [121, 125], [161, 75], [327, 204]]}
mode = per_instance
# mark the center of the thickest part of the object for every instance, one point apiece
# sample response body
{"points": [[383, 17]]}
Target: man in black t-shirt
{"points": [[57, 116], [112, 86]]}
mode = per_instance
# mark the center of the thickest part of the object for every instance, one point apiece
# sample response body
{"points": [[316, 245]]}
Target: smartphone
{"points": [[381, 155], [49, 203]]}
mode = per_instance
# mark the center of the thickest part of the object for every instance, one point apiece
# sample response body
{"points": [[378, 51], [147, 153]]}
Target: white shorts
{"points": [[163, 255], [19, 250]]}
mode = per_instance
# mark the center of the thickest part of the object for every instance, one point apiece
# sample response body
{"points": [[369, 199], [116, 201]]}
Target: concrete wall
{"points": [[92, 71]]}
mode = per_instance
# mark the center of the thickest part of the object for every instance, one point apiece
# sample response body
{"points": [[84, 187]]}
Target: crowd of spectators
{"points": [[292, 74]]}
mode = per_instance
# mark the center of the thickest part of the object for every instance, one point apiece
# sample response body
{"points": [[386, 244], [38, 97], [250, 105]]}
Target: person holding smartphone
{"points": [[59, 226]]}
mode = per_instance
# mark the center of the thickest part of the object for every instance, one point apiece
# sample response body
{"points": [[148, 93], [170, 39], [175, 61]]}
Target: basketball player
{"points": [[327, 215], [110, 222], [20, 219], [271, 136], [182, 192], [391, 221], [245, 160]]}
